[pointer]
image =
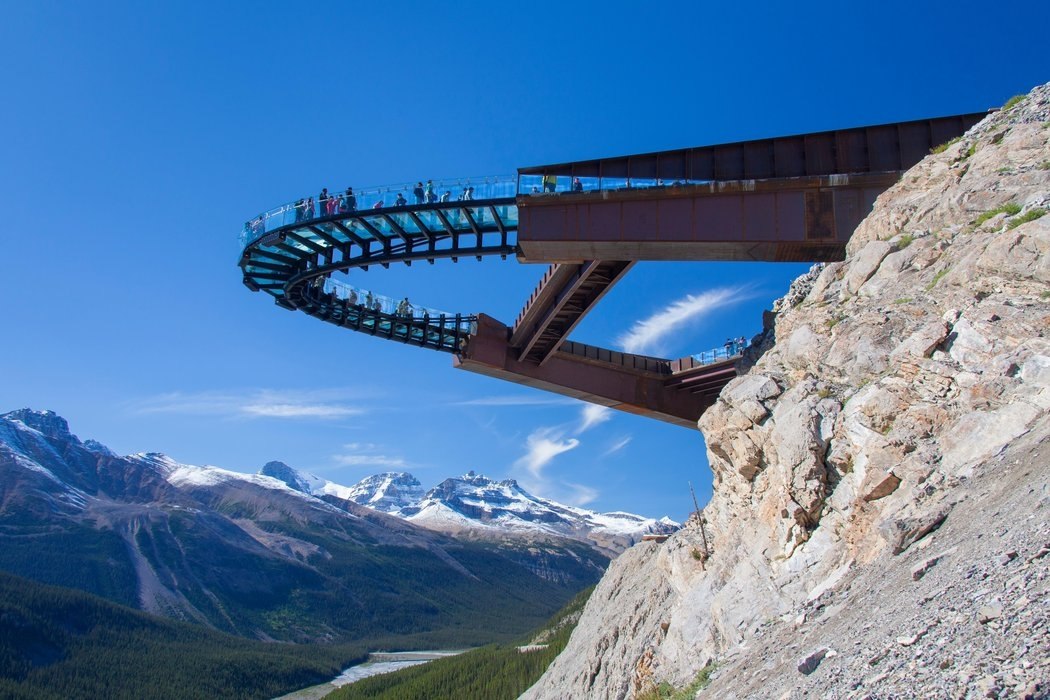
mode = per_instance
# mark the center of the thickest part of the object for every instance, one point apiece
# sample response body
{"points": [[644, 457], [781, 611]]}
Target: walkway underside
{"points": [[676, 392]]}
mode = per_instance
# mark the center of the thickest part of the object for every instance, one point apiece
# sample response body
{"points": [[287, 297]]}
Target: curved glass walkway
{"points": [[290, 252]]}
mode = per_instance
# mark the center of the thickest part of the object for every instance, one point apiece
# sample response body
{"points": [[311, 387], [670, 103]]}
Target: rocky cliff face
{"points": [[873, 423]]}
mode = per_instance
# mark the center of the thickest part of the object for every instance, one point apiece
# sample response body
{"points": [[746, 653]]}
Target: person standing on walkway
{"points": [[430, 194], [322, 202], [400, 201], [550, 183], [351, 200], [417, 192]]}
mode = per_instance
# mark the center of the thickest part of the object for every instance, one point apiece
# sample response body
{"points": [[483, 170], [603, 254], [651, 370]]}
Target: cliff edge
{"points": [[879, 519]]}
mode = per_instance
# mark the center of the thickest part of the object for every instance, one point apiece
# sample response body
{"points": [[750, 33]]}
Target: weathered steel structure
{"points": [[788, 199]]}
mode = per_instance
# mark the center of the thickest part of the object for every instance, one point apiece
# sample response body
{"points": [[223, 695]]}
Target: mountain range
{"points": [[479, 507], [285, 555]]}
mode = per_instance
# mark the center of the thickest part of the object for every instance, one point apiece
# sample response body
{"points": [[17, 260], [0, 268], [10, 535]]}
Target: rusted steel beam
{"points": [[792, 220], [573, 295], [581, 373], [896, 146]]}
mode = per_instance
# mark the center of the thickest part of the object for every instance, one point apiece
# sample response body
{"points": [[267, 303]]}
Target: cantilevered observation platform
{"points": [[789, 199]]}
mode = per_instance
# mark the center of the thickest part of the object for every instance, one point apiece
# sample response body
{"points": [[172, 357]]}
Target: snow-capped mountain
{"points": [[230, 549], [478, 506], [396, 493], [476, 503]]}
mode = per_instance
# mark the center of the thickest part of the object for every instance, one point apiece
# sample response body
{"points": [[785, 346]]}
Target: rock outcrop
{"points": [[896, 407]]}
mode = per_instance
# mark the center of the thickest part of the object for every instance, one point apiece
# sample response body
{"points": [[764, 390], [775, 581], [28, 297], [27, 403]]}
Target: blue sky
{"points": [[138, 137]]}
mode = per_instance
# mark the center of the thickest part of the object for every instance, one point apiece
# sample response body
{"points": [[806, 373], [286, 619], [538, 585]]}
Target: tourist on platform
{"points": [[431, 195], [729, 347], [447, 196], [308, 212], [351, 298], [577, 186], [322, 202], [351, 200], [400, 201], [468, 194], [369, 301], [300, 204], [550, 183], [342, 206], [742, 342], [417, 192], [378, 204]]}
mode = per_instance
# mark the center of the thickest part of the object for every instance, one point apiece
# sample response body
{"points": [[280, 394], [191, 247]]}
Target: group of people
{"points": [[327, 205], [346, 203], [369, 301], [735, 346], [426, 194]]}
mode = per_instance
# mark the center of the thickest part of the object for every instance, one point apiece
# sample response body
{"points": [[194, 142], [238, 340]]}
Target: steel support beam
{"points": [[617, 385]]}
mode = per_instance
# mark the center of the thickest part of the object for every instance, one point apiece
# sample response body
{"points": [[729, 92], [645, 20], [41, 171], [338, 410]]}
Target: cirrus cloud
{"points": [[648, 334]]}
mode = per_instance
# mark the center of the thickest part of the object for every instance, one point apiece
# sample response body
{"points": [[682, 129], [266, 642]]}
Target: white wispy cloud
{"points": [[361, 446], [647, 334], [617, 446], [515, 401], [288, 410], [591, 415], [579, 494], [253, 403], [542, 446]]}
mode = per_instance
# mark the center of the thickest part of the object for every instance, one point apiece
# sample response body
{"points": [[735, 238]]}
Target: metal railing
{"points": [[378, 303], [731, 349], [368, 199], [539, 185]]}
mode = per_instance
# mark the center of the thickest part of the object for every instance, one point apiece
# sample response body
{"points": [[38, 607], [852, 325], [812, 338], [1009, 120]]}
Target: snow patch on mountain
{"points": [[188, 475], [477, 504], [293, 478], [396, 493], [474, 501]]}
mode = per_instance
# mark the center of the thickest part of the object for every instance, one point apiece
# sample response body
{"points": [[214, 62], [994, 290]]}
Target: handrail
{"points": [[379, 303], [308, 208]]}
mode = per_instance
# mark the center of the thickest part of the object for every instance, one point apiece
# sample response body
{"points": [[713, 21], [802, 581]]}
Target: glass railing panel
{"points": [[481, 215], [406, 222], [333, 232], [336, 203], [508, 214], [381, 224], [432, 221]]}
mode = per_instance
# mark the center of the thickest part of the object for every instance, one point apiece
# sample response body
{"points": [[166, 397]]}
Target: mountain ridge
{"points": [[249, 554], [477, 506]]}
